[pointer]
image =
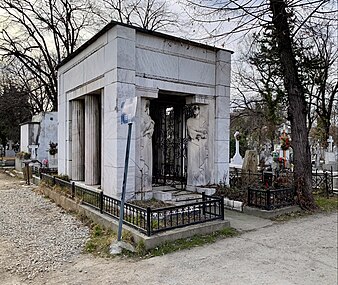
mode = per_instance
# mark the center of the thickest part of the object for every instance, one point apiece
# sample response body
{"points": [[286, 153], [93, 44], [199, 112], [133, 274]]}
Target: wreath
{"points": [[284, 142], [53, 148]]}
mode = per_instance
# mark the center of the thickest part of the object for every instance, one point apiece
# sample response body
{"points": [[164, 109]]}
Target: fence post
{"points": [[73, 189], [101, 202], [54, 181], [222, 208], [326, 185], [148, 221], [268, 199], [249, 197], [203, 199], [331, 180]]}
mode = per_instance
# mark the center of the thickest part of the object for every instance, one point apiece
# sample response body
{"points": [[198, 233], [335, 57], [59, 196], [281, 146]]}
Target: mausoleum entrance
{"points": [[169, 113]]}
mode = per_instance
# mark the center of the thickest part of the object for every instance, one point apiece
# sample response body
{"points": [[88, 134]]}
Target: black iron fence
{"points": [[264, 179], [148, 221], [322, 182], [270, 199]]}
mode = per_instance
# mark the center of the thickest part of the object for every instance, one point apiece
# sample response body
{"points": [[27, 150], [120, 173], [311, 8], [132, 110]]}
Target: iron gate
{"points": [[169, 140]]}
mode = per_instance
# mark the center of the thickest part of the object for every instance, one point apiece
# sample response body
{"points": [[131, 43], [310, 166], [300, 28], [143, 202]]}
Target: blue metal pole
{"points": [[119, 234]]}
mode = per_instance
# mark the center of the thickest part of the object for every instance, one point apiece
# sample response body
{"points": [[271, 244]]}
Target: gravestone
{"points": [[250, 161], [330, 156], [36, 136], [249, 168]]}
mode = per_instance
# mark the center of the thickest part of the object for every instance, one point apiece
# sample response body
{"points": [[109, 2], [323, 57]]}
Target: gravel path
{"points": [[36, 236]]}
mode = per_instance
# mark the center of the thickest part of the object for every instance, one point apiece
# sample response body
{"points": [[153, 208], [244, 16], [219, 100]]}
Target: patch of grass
{"points": [[327, 204], [181, 244], [99, 241], [324, 204]]}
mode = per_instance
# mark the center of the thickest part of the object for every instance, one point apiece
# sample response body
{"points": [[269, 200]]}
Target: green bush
{"points": [[23, 155]]}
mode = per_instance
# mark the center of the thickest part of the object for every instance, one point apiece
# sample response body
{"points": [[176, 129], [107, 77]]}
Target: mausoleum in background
{"points": [[175, 80]]}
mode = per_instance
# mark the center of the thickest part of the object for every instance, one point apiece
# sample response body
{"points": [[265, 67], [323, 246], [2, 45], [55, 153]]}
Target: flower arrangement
{"points": [[284, 141], [53, 148]]}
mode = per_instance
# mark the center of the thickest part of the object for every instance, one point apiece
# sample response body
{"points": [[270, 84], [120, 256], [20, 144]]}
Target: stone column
{"points": [[78, 140], [222, 118], [92, 145]]}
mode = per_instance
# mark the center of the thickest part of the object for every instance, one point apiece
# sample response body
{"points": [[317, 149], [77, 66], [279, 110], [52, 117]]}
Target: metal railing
{"points": [[271, 199], [264, 179], [148, 221], [323, 182]]}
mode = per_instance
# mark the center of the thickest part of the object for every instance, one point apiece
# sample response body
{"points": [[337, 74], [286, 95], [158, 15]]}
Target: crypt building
{"points": [[180, 135]]}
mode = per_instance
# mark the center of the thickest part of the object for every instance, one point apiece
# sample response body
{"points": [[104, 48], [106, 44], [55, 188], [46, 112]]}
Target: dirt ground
{"points": [[301, 251]]}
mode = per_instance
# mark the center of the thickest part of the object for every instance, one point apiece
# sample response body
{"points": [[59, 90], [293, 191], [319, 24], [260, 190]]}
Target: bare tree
{"points": [[14, 106], [320, 73], [255, 14], [148, 14], [38, 35]]}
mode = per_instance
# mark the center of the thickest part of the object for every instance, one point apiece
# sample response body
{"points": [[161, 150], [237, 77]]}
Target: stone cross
{"points": [[330, 141]]}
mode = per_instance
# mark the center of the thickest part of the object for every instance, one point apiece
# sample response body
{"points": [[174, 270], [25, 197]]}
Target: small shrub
{"points": [[23, 155], [64, 177]]}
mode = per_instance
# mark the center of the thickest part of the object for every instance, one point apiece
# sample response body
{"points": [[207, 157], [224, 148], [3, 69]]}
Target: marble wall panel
{"points": [[109, 183], [221, 151], [110, 55], [109, 99], [223, 73], [121, 32], [222, 109], [195, 71], [154, 63], [174, 86], [175, 47], [125, 54], [99, 43], [222, 170], [94, 65], [74, 77]]}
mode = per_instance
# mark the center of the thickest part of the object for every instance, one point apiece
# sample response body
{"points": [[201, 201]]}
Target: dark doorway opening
{"points": [[169, 140]]}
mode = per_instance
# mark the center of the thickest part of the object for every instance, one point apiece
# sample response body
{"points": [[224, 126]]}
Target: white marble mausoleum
{"points": [[181, 130]]}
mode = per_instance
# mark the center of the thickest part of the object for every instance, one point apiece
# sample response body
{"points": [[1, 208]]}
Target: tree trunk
{"points": [[296, 109]]}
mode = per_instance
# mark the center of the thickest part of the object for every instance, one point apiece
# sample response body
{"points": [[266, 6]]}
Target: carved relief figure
{"points": [[197, 128], [147, 130]]}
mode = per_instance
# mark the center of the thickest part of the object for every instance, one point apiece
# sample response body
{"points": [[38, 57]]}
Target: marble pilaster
{"points": [[92, 140], [78, 140]]}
